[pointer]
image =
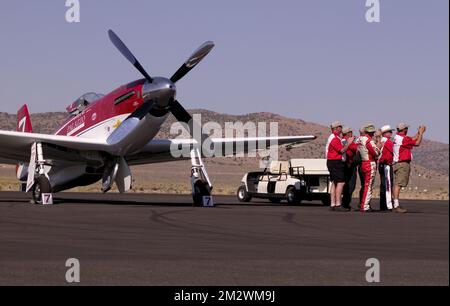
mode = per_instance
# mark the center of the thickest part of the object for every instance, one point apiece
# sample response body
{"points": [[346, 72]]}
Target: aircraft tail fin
{"points": [[23, 120], [23, 125]]}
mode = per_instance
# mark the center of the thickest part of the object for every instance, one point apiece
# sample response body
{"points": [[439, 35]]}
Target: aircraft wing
{"points": [[15, 146], [160, 150]]}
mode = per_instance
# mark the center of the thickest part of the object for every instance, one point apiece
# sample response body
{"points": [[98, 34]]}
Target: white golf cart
{"points": [[296, 180]]}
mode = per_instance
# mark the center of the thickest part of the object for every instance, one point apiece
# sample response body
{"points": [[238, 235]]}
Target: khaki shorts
{"points": [[402, 171]]}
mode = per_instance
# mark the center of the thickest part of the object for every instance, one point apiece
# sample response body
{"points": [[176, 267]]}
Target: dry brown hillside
{"points": [[431, 156]]}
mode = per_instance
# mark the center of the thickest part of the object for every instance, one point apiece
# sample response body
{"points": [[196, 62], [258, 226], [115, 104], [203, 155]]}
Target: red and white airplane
{"points": [[105, 134]]}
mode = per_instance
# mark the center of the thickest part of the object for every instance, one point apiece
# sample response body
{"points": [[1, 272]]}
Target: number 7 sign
{"points": [[208, 201], [47, 199]]}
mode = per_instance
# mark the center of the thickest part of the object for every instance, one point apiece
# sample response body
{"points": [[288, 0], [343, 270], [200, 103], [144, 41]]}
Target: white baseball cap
{"points": [[386, 128]]}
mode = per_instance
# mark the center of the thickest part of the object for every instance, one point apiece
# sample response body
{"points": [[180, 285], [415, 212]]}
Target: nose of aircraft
{"points": [[161, 91]]}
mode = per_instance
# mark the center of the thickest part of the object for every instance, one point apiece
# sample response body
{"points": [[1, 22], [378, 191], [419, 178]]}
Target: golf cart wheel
{"points": [[291, 196], [42, 185], [201, 189], [243, 195]]}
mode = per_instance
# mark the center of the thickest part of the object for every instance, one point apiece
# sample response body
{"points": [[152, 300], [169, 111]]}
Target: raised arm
{"points": [[419, 136]]}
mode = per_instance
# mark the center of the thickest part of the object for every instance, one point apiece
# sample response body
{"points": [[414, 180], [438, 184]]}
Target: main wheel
{"points": [[243, 195], [42, 185], [291, 196], [201, 189]]}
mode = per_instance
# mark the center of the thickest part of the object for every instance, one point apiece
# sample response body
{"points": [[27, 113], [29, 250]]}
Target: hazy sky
{"points": [[316, 60]]}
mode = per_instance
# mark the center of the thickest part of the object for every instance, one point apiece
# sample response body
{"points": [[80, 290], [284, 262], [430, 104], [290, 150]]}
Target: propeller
{"points": [[175, 107], [128, 55], [192, 61]]}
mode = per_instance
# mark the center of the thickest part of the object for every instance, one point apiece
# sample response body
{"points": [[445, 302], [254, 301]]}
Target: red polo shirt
{"points": [[387, 153], [334, 147], [351, 152], [402, 148]]}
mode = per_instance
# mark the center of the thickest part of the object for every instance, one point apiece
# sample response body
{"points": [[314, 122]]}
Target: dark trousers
{"points": [[350, 185], [386, 186]]}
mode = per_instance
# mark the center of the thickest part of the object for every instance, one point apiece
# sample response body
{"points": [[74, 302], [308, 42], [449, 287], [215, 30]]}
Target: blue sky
{"points": [[316, 60]]}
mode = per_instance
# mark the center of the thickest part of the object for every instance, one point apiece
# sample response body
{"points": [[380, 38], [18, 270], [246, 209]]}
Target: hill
{"points": [[432, 156]]}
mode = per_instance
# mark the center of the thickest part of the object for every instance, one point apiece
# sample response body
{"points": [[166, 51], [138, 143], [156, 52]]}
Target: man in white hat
{"points": [[369, 152], [335, 153], [385, 170], [403, 145]]}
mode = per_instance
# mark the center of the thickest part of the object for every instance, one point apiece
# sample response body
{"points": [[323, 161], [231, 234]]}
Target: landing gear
{"points": [[201, 190], [38, 182], [201, 185], [41, 187]]}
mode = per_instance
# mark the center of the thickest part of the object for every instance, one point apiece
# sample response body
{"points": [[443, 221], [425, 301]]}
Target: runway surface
{"points": [[137, 239]]}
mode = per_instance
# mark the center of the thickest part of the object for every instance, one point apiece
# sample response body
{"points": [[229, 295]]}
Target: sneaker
{"points": [[400, 210], [370, 210]]}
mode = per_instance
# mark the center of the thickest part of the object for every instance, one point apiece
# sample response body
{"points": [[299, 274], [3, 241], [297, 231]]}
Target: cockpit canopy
{"points": [[82, 102]]}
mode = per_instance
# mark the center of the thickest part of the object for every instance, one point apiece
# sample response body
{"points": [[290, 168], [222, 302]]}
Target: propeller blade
{"points": [[193, 60], [182, 115], [179, 112], [128, 55]]}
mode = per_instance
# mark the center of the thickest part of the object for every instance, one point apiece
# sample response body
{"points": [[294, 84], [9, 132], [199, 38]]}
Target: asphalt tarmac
{"points": [[137, 239]]}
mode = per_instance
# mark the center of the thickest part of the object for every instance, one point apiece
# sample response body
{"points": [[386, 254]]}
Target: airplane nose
{"points": [[160, 91]]}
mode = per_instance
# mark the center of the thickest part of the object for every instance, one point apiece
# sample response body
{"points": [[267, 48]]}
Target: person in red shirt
{"points": [[385, 170], [335, 153], [403, 145], [350, 169]]}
